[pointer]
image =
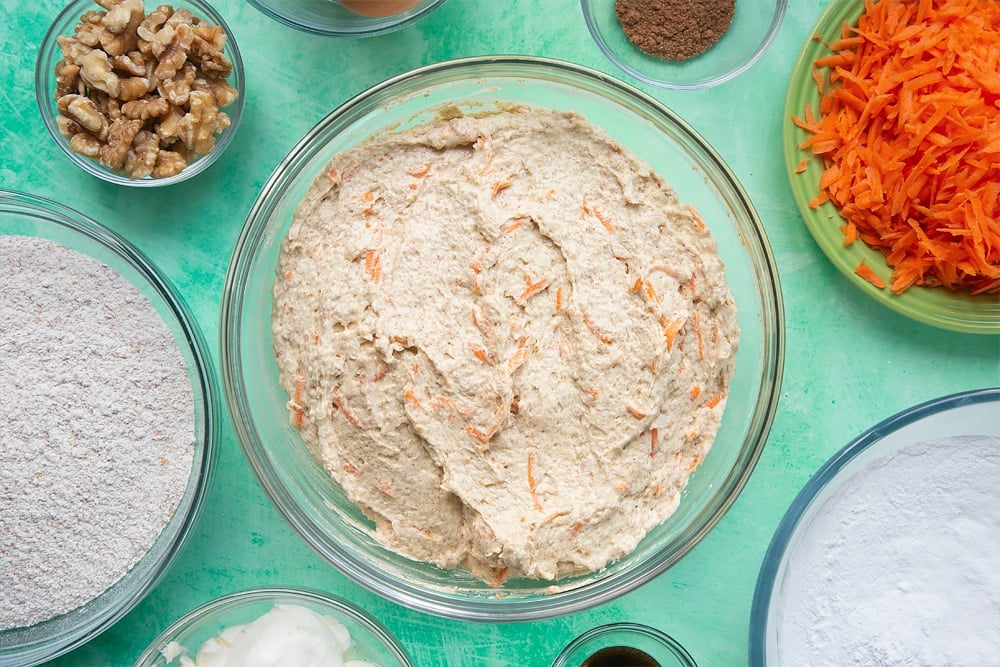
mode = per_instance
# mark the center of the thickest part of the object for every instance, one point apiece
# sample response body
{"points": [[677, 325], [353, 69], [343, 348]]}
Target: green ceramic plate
{"points": [[935, 306]]}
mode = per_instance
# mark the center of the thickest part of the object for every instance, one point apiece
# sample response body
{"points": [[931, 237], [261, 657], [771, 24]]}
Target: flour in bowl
{"points": [[901, 566], [96, 428]]}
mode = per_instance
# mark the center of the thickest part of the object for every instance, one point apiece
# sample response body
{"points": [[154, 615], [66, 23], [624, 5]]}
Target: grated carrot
{"points": [[592, 210], [532, 485], [601, 336], [511, 225], [499, 187], [909, 134], [296, 404], [520, 356], [338, 402], [696, 326], [603, 220], [638, 414], [373, 266], [869, 274], [481, 354], [532, 289], [476, 433], [670, 330]]}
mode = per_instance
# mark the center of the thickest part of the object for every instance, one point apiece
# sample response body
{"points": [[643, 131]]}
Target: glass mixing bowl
{"points": [[25, 215], [370, 640], [300, 488], [49, 54]]}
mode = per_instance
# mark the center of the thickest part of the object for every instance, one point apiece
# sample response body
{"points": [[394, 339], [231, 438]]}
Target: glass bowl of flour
{"points": [[351, 535], [109, 416], [889, 555], [269, 626]]}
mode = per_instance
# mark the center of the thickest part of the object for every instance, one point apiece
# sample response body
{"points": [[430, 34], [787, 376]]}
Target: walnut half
{"points": [[142, 92]]}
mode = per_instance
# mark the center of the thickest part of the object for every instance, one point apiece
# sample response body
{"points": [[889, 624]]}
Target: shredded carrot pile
{"points": [[908, 128]]}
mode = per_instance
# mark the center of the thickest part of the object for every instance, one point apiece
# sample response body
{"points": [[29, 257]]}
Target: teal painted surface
{"points": [[850, 362]]}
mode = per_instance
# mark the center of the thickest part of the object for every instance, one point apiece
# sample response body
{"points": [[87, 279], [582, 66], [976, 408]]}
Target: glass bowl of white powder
{"points": [[269, 626], [109, 416], [889, 554], [302, 489]]}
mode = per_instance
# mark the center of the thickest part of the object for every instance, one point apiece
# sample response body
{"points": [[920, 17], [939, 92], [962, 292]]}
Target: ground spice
{"points": [[674, 29]]}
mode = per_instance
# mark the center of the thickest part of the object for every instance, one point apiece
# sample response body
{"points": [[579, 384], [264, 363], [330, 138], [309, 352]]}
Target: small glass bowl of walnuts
{"points": [[140, 95]]}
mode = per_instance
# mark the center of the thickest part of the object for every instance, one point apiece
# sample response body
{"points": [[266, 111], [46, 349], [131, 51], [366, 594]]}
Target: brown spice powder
{"points": [[674, 29]]}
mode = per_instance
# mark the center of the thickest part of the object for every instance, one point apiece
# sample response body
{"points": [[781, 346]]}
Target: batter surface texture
{"points": [[506, 339]]}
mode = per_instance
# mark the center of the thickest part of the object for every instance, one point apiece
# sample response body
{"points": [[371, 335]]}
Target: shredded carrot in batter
{"points": [[338, 401], [531, 480], [532, 289], [297, 412], [635, 413], [373, 266], [601, 336], [481, 354], [499, 187]]}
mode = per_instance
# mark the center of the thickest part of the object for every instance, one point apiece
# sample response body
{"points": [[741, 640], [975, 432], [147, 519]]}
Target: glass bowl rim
{"points": [[768, 575], [404, 591], [705, 82], [62, 216], [46, 58], [371, 27], [263, 594]]}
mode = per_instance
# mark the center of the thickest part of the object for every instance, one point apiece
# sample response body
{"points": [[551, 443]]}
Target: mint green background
{"points": [[850, 361]]}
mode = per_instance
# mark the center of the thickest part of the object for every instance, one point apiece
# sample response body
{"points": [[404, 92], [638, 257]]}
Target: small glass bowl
{"points": [[600, 644], [303, 491], [370, 640], [25, 215], [49, 54], [754, 26], [330, 17]]}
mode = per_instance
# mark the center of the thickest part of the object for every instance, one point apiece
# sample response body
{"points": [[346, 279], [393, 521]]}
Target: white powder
{"points": [[901, 567], [96, 428]]}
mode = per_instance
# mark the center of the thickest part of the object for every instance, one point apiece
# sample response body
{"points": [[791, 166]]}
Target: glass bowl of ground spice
{"points": [[109, 422], [683, 44]]}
